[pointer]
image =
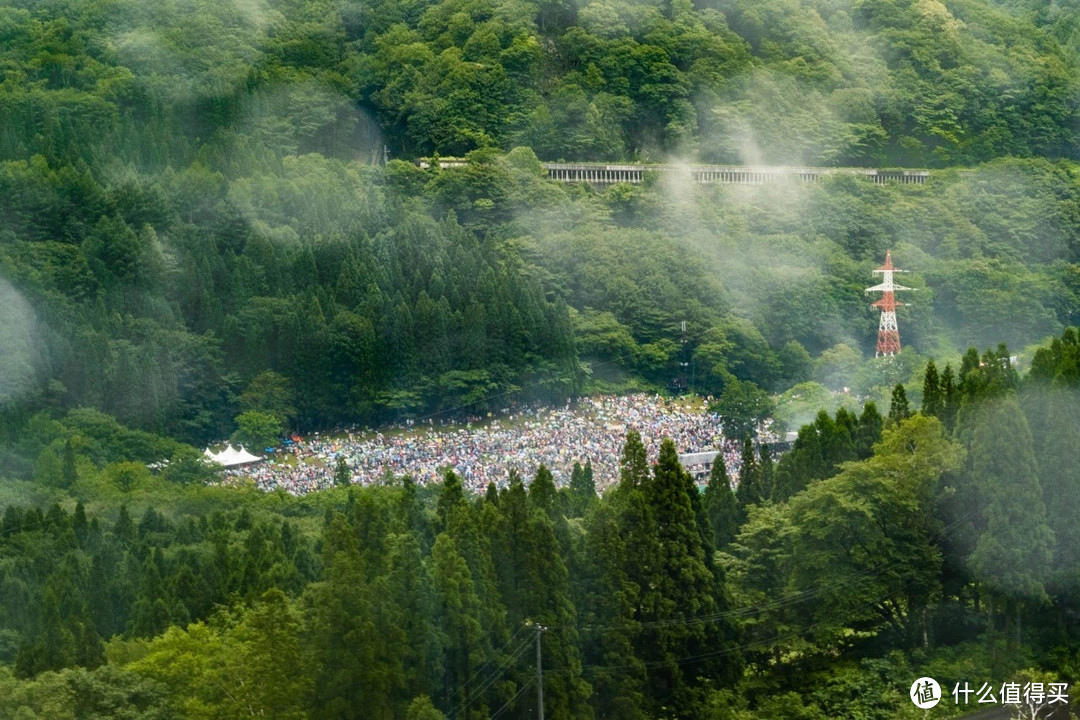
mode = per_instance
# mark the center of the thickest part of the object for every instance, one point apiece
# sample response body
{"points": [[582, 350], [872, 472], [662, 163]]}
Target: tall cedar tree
{"points": [[547, 601], [680, 587], [542, 492], [950, 398], [460, 621], [766, 472], [721, 507], [932, 402], [633, 464], [270, 647], [749, 491], [411, 600], [582, 490], [342, 473], [1013, 551], [512, 541], [869, 431], [819, 450], [1055, 425], [609, 610], [356, 669], [899, 410]]}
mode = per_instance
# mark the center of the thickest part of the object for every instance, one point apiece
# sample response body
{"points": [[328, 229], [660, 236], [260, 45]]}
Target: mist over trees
{"points": [[213, 226], [193, 200], [873, 553]]}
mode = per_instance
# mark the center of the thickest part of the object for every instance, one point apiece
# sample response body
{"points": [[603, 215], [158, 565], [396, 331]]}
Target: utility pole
{"points": [[539, 674], [685, 360]]}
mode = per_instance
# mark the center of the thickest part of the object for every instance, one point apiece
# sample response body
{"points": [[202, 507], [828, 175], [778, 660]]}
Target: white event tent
{"points": [[231, 457]]}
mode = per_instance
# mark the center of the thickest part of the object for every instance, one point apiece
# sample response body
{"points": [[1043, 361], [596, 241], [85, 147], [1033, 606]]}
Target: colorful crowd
{"points": [[589, 429]]}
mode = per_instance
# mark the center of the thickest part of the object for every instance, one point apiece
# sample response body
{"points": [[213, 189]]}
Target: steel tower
{"points": [[888, 337]]}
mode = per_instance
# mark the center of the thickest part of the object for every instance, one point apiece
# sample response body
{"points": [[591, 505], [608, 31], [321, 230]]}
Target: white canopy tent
{"points": [[231, 457]]}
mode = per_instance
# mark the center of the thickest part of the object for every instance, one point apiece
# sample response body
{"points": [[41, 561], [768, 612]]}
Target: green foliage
{"points": [[422, 709], [582, 490], [721, 507], [741, 407], [899, 410], [933, 400], [830, 540], [197, 234], [1012, 554], [342, 473], [269, 392], [832, 591], [257, 429]]}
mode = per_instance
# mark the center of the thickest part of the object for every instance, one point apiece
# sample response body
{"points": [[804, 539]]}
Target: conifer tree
{"points": [[1012, 554], [748, 491], [547, 601], [70, 467], [582, 490], [765, 472], [968, 381], [869, 431], [542, 493], [721, 507], [150, 615], [679, 585], [79, 524], [342, 473], [611, 601], [410, 596], [269, 656], [356, 670], [1055, 430], [12, 521], [459, 618], [54, 646], [410, 513], [124, 529], [633, 464], [512, 539], [899, 410], [451, 499], [933, 402], [950, 398]]}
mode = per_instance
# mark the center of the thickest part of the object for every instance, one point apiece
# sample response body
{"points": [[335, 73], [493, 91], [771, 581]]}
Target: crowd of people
{"points": [[587, 430]]}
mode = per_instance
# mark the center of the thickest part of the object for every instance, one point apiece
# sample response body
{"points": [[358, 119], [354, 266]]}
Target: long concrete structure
{"points": [[605, 174], [608, 174]]}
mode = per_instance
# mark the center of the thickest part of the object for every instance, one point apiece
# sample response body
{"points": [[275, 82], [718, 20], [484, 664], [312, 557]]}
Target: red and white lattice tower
{"points": [[888, 336]]}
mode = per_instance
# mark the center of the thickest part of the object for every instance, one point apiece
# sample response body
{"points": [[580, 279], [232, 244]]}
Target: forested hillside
{"points": [[892, 82], [879, 550], [213, 225], [188, 200]]}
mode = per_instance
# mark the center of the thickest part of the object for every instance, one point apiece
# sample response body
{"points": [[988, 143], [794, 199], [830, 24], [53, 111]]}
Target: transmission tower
{"points": [[888, 337]]}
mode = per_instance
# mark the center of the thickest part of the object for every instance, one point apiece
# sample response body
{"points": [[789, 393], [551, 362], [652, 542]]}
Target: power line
{"points": [[495, 657], [504, 666], [510, 702]]}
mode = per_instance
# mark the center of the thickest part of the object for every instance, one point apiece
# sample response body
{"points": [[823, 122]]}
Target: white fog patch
{"points": [[18, 346]]}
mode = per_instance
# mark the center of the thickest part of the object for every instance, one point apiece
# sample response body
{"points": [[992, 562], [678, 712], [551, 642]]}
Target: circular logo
{"points": [[925, 693]]}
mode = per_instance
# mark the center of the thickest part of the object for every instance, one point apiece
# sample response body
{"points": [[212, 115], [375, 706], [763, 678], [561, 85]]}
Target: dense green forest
{"points": [[193, 226], [941, 543], [213, 225]]}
